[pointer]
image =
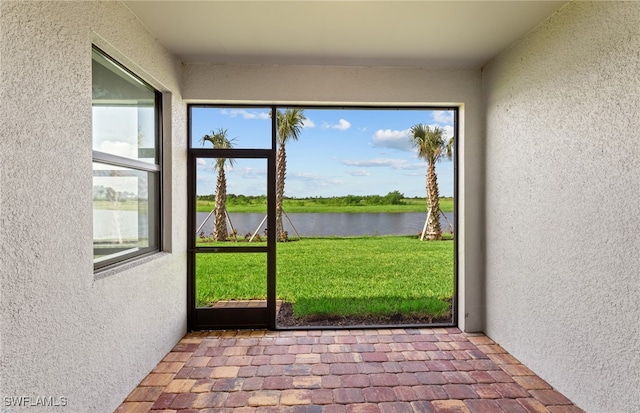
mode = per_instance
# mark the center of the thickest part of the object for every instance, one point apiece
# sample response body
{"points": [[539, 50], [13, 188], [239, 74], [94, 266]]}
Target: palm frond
{"points": [[219, 140], [289, 124], [450, 146], [429, 141]]}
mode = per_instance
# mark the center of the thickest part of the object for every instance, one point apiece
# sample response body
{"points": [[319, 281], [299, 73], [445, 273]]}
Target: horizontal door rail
{"points": [[233, 153], [213, 250]]}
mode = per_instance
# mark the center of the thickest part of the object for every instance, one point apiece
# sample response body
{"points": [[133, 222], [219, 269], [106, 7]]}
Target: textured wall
{"points": [[367, 85], [563, 217], [65, 333]]}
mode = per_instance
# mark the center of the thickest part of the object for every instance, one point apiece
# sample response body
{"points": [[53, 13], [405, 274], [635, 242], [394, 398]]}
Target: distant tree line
{"points": [[392, 198], [100, 193]]}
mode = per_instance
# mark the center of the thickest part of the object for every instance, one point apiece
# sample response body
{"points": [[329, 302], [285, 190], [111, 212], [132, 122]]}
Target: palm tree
{"points": [[289, 127], [432, 147], [220, 141]]}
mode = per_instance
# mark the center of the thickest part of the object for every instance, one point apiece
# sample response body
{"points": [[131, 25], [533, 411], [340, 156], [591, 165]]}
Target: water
{"points": [[328, 224], [124, 224]]}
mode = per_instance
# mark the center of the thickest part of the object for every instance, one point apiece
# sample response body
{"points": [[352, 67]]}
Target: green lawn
{"points": [[338, 276]]}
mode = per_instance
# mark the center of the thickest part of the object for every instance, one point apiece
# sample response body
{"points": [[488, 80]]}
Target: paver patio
{"points": [[342, 371]]}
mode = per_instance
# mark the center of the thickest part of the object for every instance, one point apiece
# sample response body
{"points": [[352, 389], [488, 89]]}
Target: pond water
{"points": [[338, 224], [124, 224]]}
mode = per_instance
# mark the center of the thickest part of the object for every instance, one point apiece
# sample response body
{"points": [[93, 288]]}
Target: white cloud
{"points": [[308, 123], [341, 125], [395, 139], [119, 148], [443, 116], [248, 172], [358, 172], [315, 180], [384, 163], [245, 114]]}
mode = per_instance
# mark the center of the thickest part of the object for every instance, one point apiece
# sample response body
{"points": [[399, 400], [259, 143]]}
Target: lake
{"points": [[338, 224], [124, 224]]}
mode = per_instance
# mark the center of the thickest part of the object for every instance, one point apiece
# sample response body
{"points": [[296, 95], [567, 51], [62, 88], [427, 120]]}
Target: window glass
{"points": [[124, 112], [123, 203], [248, 128], [126, 167]]}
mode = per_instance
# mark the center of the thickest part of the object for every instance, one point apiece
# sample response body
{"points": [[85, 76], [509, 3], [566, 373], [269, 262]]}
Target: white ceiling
{"points": [[453, 34]]}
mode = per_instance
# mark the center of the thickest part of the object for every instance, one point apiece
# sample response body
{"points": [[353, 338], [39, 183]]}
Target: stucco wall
{"points": [[563, 217], [65, 333], [371, 86]]}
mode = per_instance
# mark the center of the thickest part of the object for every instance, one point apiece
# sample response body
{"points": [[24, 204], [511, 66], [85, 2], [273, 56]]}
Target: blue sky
{"points": [[340, 152]]}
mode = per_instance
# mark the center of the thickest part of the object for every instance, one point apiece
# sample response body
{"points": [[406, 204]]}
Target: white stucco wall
{"points": [[562, 203], [381, 86], [64, 332]]}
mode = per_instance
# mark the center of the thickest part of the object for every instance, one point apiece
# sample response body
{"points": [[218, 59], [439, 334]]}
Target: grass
{"points": [[319, 205], [338, 276]]}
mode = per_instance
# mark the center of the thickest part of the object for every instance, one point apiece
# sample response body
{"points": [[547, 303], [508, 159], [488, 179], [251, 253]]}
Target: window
{"points": [[126, 119]]}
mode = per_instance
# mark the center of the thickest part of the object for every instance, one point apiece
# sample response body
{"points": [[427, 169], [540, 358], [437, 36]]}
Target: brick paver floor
{"points": [[342, 371]]}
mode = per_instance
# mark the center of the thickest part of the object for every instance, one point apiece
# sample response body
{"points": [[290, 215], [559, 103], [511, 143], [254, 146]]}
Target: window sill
{"points": [[127, 265]]}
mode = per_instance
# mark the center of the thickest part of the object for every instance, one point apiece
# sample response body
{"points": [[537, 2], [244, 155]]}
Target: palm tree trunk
{"points": [[281, 167], [220, 229], [434, 232]]}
